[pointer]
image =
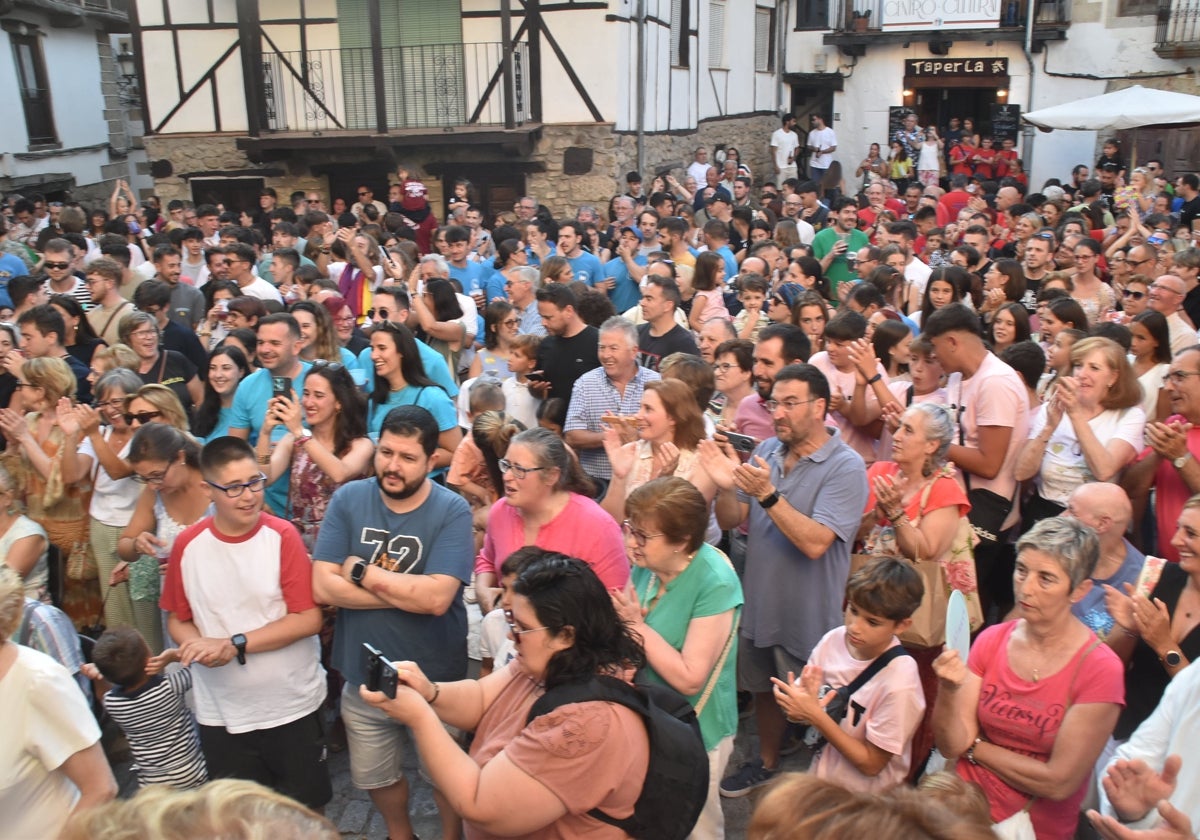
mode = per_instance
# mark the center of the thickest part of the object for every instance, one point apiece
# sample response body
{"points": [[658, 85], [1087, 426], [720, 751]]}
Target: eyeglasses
{"points": [[234, 491], [144, 333], [512, 322], [1043, 234], [21, 385], [56, 265], [156, 478], [639, 537], [363, 193], [1132, 295], [507, 466], [349, 319], [142, 417], [516, 632], [1139, 262], [113, 404], [724, 367], [1164, 288], [381, 312], [1086, 255], [786, 405], [1177, 377]]}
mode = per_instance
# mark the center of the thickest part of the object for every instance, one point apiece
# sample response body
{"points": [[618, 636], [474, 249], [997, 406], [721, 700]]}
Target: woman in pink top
{"points": [[1028, 714], [547, 503]]}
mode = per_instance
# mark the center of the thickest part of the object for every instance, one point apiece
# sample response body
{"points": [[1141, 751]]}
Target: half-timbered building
{"points": [[554, 98]]}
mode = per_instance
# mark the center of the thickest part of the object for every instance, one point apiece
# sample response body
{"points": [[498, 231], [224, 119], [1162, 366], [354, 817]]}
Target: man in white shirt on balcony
{"points": [[366, 196]]}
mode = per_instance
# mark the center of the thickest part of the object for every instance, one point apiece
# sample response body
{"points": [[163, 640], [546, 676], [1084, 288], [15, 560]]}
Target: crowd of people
{"points": [[731, 438]]}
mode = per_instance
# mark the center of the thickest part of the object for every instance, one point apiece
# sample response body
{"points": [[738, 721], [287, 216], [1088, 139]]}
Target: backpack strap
{"points": [[875, 667]]}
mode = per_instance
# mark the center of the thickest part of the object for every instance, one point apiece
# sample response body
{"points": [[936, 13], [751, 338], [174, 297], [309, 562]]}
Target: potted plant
{"points": [[862, 20]]}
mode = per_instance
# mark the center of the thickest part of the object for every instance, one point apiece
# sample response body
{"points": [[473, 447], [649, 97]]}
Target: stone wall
{"points": [[611, 156]]}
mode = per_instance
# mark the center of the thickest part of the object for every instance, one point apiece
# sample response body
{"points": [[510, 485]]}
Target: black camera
{"points": [[381, 676]]}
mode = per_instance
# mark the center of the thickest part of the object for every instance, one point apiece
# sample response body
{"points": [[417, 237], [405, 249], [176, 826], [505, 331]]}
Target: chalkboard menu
{"points": [[896, 115], [1006, 122]]}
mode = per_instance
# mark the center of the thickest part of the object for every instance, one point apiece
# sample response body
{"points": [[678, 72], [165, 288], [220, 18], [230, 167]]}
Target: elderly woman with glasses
{"points": [[547, 502], [174, 496], [37, 443], [156, 364], [683, 601], [540, 777], [102, 456], [1029, 712]]}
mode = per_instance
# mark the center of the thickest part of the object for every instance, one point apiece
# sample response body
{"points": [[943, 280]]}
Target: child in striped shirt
{"points": [[150, 709]]}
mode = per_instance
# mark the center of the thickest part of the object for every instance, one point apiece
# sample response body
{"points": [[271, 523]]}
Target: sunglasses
{"points": [[1043, 234], [56, 265], [325, 364], [142, 417], [1133, 295], [381, 312]]}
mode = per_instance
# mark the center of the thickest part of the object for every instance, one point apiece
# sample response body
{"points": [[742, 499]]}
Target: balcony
{"points": [[1178, 29], [68, 14], [859, 23]]}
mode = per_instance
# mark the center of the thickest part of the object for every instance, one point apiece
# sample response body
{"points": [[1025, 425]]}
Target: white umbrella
{"points": [[1133, 107]]}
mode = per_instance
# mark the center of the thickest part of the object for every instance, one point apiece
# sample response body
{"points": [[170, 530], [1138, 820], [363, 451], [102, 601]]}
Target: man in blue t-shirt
{"points": [[586, 267], [392, 304], [279, 341], [393, 554], [470, 275], [624, 272]]}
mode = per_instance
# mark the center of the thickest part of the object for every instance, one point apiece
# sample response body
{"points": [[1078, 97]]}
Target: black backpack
{"points": [[676, 783]]}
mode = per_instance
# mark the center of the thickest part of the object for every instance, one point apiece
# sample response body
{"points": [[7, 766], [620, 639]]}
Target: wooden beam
{"points": [[375, 19], [250, 39]]}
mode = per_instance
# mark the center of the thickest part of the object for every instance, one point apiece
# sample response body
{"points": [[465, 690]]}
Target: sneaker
{"points": [[749, 776]]}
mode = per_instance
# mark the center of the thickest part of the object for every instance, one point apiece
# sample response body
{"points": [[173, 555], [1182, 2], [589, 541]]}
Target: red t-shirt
{"points": [[1171, 492], [959, 165], [985, 167], [1025, 717], [1003, 158], [946, 492]]}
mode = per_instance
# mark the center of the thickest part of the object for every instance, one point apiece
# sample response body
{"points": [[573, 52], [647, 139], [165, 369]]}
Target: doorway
{"points": [[936, 105], [495, 187]]}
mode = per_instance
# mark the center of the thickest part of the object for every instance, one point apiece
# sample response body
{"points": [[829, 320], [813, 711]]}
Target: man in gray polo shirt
{"points": [[804, 491]]}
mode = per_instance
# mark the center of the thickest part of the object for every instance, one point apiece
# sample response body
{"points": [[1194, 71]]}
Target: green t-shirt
{"points": [[708, 586], [839, 270]]}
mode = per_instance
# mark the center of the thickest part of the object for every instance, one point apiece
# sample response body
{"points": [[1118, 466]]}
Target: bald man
{"points": [[1105, 508]]}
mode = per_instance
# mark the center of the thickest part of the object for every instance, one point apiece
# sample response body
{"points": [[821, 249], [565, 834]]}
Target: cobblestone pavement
{"points": [[352, 812]]}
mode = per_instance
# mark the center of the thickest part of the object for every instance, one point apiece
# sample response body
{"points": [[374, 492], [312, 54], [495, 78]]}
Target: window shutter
{"points": [[716, 33], [677, 31], [764, 46]]}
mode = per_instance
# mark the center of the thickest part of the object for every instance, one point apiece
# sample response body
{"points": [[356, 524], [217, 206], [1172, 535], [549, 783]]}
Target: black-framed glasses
{"points": [[786, 405], [21, 385], [361, 194], [142, 417], [235, 491], [113, 404], [639, 537], [511, 322], [507, 466], [1162, 287], [155, 478], [724, 367], [1178, 377]]}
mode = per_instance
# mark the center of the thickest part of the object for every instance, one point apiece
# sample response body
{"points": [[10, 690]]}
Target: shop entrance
{"points": [[936, 105]]}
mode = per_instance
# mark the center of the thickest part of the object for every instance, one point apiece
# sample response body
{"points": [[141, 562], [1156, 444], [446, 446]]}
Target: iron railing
{"points": [[1179, 26], [847, 14], [430, 86]]}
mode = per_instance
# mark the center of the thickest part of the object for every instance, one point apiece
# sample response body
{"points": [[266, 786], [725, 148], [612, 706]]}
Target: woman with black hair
{"points": [[501, 324], [439, 315], [941, 290], [1009, 326], [80, 339], [400, 379], [1150, 351], [539, 777], [227, 366], [334, 450], [510, 254]]}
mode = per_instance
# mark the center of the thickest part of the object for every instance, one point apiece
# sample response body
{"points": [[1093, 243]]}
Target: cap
{"points": [[790, 292], [414, 196], [719, 195], [635, 231]]}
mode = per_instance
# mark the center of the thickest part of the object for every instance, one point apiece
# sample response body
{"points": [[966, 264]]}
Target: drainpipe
{"points": [[641, 84], [1029, 130], [780, 62]]}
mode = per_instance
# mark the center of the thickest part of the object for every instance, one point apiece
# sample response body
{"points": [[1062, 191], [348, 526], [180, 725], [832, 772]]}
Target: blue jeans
{"points": [[817, 174]]}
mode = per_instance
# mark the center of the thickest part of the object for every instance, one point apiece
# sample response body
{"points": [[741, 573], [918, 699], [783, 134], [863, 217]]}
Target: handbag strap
{"points": [[716, 671], [114, 314]]}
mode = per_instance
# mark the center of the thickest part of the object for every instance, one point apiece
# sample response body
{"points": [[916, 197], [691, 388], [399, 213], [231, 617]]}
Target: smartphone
{"points": [[741, 443], [381, 676], [536, 376], [281, 386]]}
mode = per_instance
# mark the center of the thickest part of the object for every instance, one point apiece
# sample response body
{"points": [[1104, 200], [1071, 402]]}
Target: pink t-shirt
{"points": [[1171, 492], [843, 382], [753, 419], [714, 306], [884, 712], [994, 396], [583, 530], [1025, 717]]}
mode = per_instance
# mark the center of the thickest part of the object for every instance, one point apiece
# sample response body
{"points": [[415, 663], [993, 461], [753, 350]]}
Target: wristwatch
{"points": [[770, 500], [1181, 460], [358, 571], [1172, 658], [239, 642]]}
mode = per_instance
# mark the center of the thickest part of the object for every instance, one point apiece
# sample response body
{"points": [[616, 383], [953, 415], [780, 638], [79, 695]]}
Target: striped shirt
{"points": [[161, 731], [81, 292]]}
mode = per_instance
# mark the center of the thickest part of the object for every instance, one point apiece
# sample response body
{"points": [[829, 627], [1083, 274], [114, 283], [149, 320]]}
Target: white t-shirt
{"points": [[699, 171], [1063, 466], [494, 642], [994, 396], [885, 712], [825, 138], [785, 143], [46, 721], [916, 274], [262, 290], [112, 501]]}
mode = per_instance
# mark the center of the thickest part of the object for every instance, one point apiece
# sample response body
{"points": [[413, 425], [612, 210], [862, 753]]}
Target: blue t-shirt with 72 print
{"points": [[434, 539]]}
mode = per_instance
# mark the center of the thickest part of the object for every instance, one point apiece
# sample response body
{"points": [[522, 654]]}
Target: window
{"points": [[764, 40], [35, 90], [1133, 8], [716, 33], [812, 14], [680, 39]]}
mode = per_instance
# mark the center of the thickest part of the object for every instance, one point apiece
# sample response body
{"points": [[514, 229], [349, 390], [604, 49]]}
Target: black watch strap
{"points": [[358, 571], [239, 641], [770, 500]]}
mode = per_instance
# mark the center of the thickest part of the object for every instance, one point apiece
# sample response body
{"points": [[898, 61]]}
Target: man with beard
{"points": [[393, 554], [779, 345]]}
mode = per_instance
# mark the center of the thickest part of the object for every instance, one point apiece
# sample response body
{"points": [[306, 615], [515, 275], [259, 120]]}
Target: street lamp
{"points": [[127, 83]]}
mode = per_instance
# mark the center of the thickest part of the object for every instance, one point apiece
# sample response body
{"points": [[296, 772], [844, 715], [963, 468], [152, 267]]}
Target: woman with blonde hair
{"points": [[320, 335], [36, 447], [155, 403], [23, 542], [556, 269]]}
